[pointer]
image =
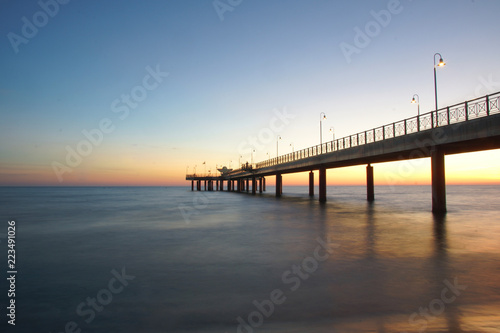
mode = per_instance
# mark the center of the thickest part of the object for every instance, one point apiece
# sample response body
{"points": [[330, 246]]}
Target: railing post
{"points": [[418, 123], [383, 132], [448, 114], [393, 130], [374, 137], [432, 119], [466, 111], [405, 127], [487, 105]]}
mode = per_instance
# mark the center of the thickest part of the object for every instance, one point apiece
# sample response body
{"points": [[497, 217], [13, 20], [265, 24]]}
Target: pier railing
{"points": [[469, 110], [203, 175]]}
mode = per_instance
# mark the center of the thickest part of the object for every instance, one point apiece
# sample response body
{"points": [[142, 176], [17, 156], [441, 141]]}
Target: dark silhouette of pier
{"points": [[461, 128]]}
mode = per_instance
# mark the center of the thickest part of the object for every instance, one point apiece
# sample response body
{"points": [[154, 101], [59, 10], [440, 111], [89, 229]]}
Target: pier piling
{"points": [[370, 187], [438, 181]]}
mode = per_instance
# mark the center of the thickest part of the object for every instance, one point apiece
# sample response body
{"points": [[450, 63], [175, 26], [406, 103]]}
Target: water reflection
{"points": [[444, 273], [384, 268], [370, 231], [390, 263]]}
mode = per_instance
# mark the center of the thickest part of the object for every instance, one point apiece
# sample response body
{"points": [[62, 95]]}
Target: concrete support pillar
{"points": [[205, 185], [254, 185], [322, 184], [248, 185], [238, 185], [198, 185], [260, 185], [311, 184], [370, 187], [438, 181], [279, 185], [264, 183], [192, 185]]}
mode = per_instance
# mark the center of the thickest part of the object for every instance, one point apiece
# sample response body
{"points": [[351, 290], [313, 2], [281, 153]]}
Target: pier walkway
{"points": [[466, 127]]}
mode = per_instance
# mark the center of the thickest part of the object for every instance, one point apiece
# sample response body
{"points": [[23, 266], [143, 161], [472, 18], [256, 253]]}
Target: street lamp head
{"points": [[441, 62], [413, 101]]}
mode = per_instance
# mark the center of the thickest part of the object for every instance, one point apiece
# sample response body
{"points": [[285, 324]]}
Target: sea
{"points": [[167, 259]]}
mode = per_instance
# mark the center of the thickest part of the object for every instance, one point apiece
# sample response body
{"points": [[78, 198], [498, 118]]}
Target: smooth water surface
{"points": [[215, 261]]}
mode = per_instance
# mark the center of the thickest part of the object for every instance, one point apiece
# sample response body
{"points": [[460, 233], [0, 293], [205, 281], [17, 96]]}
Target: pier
{"points": [[469, 126]]}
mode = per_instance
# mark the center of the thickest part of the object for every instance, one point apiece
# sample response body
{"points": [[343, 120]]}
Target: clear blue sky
{"points": [[227, 71]]}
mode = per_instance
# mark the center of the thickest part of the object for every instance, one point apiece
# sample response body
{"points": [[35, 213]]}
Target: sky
{"points": [[143, 92]]}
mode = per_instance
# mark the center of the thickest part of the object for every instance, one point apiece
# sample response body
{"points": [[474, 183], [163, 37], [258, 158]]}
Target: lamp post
{"points": [[322, 116], [291, 145], [416, 101], [334, 144], [253, 151], [277, 141], [441, 63]]}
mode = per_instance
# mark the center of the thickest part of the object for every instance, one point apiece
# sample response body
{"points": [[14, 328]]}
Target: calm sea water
{"points": [[171, 260]]}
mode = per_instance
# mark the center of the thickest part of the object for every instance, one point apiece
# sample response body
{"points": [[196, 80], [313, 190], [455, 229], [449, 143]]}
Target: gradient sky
{"points": [[229, 71]]}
